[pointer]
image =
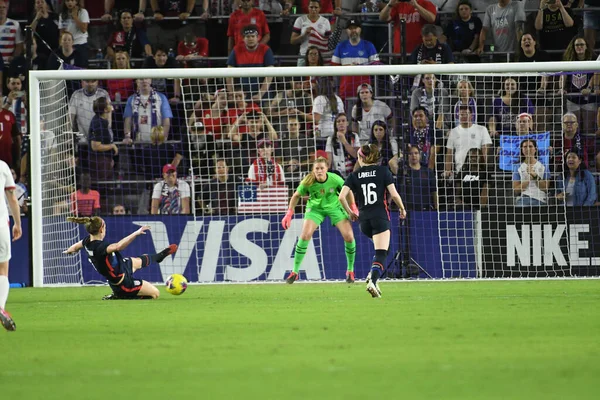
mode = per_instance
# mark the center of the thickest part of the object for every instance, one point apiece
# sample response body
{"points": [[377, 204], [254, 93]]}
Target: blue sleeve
{"points": [[142, 37], [448, 54], [478, 25], [590, 182], [413, 57], [530, 107], [231, 60], [165, 108], [546, 174], [128, 113], [516, 176], [560, 185], [388, 177], [269, 58]]}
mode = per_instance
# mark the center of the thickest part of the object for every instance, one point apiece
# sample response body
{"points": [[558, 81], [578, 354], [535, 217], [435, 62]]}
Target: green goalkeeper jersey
{"points": [[323, 195]]}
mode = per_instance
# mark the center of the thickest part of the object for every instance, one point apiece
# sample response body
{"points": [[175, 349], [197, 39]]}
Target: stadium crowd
{"points": [[139, 141]]}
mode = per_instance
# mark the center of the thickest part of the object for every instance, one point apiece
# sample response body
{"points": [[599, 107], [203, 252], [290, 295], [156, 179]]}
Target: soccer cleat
{"points": [[349, 276], [292, 277], [373, 289], [172, 249], [368, 278], [7, 321], [111, 296]]}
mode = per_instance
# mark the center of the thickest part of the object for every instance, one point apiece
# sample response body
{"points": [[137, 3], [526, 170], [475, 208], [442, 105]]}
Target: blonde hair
{"points": [[369, 153], [127, 64], [469, 86], [311, 178], [92, 224]]}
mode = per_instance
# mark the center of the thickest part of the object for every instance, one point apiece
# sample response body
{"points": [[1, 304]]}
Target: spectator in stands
{"points": [[353, 51], [120, 89], [529, 52], [265, 171], [246, 16], [273, 10], [293, 101], [245, 144], [170, 87], [67, 55], [571, 139], [556, 26], [578, 186], [238, 107], [579, 86], [524, 124], [422, 137], [386, 143], [506, 108], [374, 29], [435, 99], [591, 22], [10, 139], [19, 65], [48, 146], [215, 119], [311, 29], [472, 185], [295, 151], [129, 38], [326, 107], [81, 107], [313, 57], [111, 5], [530, 181], [465, 94], [102, 148], [44, 22], [342, 147], [171, 195], [219, 195], [416, 13], [75, 19], [170, 32], [462, 32], [216, 28], [20, 191], [16, 102], [12, 37], [85, 202], [251, 53], [463, 138], [504, 22], [431, 50], [147, 115], [368, 110], [119, 209], [417, 186], [192, 50]]}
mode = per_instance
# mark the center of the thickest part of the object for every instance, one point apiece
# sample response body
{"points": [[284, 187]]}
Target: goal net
{"points": [[209, 158]]}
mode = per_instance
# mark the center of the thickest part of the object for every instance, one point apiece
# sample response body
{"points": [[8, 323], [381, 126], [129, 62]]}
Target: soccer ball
{"points": [[176, 284]]}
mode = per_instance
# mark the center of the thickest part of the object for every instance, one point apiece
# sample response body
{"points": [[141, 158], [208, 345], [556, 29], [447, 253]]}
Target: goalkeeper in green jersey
{"points": [[322, 188]]}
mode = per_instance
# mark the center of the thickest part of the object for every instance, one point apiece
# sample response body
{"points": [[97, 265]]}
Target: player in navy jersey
{"points": [[108, 261], [371, 184]]}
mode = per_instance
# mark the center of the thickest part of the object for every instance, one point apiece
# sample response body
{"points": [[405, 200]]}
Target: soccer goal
{"points": [[210, 157]]}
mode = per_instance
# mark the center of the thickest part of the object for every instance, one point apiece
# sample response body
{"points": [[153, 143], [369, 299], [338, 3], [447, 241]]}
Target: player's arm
{"points": [[397, 199], [126, 241], [74, 248], [346, 198], [287, 219], [13, 204]]}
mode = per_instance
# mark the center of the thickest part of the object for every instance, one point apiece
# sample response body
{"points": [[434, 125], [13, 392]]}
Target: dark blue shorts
{"points": [[373, 226], [130, 287]]}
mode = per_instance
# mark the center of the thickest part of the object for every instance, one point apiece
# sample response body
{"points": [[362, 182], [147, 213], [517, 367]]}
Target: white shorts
{"points": [[4, 241]]}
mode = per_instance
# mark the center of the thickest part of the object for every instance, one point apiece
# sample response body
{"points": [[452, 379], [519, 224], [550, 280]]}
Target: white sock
{"points": [[4, 286]]}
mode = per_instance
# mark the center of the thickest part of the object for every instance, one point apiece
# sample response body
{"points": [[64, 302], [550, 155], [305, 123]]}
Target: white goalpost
{"points": [[481, 205]]}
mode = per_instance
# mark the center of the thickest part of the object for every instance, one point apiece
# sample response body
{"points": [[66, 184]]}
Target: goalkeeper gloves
{"points": [[287, 220]]}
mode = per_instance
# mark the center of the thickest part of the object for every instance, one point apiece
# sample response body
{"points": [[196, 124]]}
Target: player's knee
{"points": [[155, 294]]}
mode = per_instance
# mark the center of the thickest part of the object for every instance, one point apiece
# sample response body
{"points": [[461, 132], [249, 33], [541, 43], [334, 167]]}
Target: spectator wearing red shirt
{"points": [[417, 14], [240, 106], [215, 120], [85, 202], [124, 87], [247, 15], [326, 6], [191, 50], [10, 138]]}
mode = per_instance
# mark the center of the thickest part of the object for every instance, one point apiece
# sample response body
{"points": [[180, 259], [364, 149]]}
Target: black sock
{"points": [[377, 266], [148, 259]]}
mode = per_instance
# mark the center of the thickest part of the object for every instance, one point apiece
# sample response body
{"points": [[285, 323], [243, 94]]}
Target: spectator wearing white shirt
{"points": [[171, 195], [464, 137], [311, 30], [326, 106], [11, 38], [81, 107], [531, 178], [75, 19], [368, 110]]}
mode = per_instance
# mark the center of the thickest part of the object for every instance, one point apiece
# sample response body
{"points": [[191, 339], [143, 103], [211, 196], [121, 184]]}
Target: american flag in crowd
{"points": [[252, 199]]}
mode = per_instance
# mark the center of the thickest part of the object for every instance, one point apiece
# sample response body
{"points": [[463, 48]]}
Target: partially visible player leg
{"points": [[381, 242], [345, 228], [5, 317], [308, 229], [149, 290], [148, 259]]}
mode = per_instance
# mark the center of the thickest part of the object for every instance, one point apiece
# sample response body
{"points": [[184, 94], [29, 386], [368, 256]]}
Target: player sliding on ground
{"points": [[108, 261], [323, 188], [370, 183]]}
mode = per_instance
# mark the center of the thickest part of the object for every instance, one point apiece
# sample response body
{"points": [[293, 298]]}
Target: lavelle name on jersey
{"points": [[367, 174]]}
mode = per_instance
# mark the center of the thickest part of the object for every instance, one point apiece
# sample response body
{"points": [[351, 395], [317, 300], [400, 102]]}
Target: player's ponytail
{"points": [[92, 224], [369, 153], [311, 178]]}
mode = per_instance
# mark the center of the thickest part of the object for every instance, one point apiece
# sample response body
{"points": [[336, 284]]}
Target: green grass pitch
{"points": [[422, 340]]}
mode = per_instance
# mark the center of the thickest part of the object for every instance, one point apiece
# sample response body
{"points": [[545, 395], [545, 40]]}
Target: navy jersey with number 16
{"points": [[369, 185]]}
